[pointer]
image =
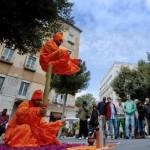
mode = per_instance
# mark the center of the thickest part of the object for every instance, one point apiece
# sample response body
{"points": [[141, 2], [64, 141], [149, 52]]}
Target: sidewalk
{"points": [[122, 144]]}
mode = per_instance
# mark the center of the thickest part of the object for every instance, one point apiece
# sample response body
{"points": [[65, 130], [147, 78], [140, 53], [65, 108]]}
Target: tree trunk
{"points": [[64, 106], [47, 85], [63, 112]]}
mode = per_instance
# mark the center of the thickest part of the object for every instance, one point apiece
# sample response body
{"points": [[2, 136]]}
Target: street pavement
{"points": [[123, 144], [133, 144]]}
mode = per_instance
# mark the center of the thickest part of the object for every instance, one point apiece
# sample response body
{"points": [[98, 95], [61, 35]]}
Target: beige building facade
{"points": [[20, 75], [105, 84]]}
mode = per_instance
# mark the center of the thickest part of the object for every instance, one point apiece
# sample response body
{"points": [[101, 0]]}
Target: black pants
{"points": [[2, 130], [83, 130], [148, 123]]}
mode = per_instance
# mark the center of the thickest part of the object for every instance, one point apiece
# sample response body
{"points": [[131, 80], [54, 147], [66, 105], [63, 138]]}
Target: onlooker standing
{"points": [[101, 107], [101, 110], [136, 119], [93, 119], [120, 119], [129, 109], [83, 115], [141, 114], [147, 114], [110, 113], [3, 121]]}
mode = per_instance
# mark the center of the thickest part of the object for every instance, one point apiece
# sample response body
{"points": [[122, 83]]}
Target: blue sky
{"points": [[113, 30]]}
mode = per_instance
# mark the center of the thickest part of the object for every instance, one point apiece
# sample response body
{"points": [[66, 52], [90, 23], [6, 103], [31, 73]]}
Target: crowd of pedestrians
{"points": [[128, 119], [125, 119]]}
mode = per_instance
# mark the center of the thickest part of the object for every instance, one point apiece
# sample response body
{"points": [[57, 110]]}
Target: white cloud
{"points": [[147, 4], [81, 93], [112, 31], [94, 93]]}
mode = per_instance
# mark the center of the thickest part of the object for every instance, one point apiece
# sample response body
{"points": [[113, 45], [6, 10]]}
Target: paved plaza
{"points": [[123, 144], [135, 144]]}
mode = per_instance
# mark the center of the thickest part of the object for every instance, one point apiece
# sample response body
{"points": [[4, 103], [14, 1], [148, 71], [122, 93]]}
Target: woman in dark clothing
{"points": [[83, 115], [141, 116], [93, 120], [147, 114]]}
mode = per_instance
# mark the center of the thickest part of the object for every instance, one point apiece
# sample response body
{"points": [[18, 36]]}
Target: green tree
{"points": [[144, 73], [71, 84], [128, 82], [89, 98], [24, 24], [134, 82]]}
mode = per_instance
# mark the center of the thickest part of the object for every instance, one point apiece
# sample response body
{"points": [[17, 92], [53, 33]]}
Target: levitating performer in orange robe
{"points": [[27, 127], [59, 58]]}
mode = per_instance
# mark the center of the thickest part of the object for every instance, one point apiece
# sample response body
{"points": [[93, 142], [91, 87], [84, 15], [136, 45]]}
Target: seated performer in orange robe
{"points": [[59, 58], [27, 127]]}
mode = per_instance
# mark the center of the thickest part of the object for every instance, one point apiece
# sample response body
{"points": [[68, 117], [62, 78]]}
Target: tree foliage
{"points": [[24, 24], [127, 82], [73, 83], [89, 98], [135, 82]]}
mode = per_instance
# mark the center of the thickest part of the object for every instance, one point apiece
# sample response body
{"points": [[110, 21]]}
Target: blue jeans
{"points": [[141, 126], [112, 126], [130, 121]]}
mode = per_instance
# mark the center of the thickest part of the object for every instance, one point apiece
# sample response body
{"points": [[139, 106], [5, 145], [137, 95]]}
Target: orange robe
{"points": [[28, 129], [59, 59]]}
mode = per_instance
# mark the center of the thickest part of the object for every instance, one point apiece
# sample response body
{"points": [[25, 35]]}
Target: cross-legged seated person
{"points": [[27, 127]]}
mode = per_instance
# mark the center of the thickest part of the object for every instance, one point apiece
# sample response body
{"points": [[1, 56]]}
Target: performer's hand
{"points": [[64, 122], [42, 111], [65, 50]]}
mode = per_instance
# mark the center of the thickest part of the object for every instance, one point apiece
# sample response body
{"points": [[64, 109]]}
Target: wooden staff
{"points": [[47, 84]]}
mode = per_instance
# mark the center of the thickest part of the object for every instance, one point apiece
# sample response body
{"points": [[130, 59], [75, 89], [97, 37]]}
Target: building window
{"points": [[58, 99], [55, 99], [7, 54], [30, 63], [71, 39], [23, 88], [71, 42], [54, 116], [1, 81]]}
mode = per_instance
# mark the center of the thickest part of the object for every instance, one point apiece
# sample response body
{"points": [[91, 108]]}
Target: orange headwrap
{"points": [[37, 95], [58, 36]]}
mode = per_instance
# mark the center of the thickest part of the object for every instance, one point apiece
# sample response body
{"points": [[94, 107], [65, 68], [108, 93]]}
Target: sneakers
{"points": [[132, 137]]}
